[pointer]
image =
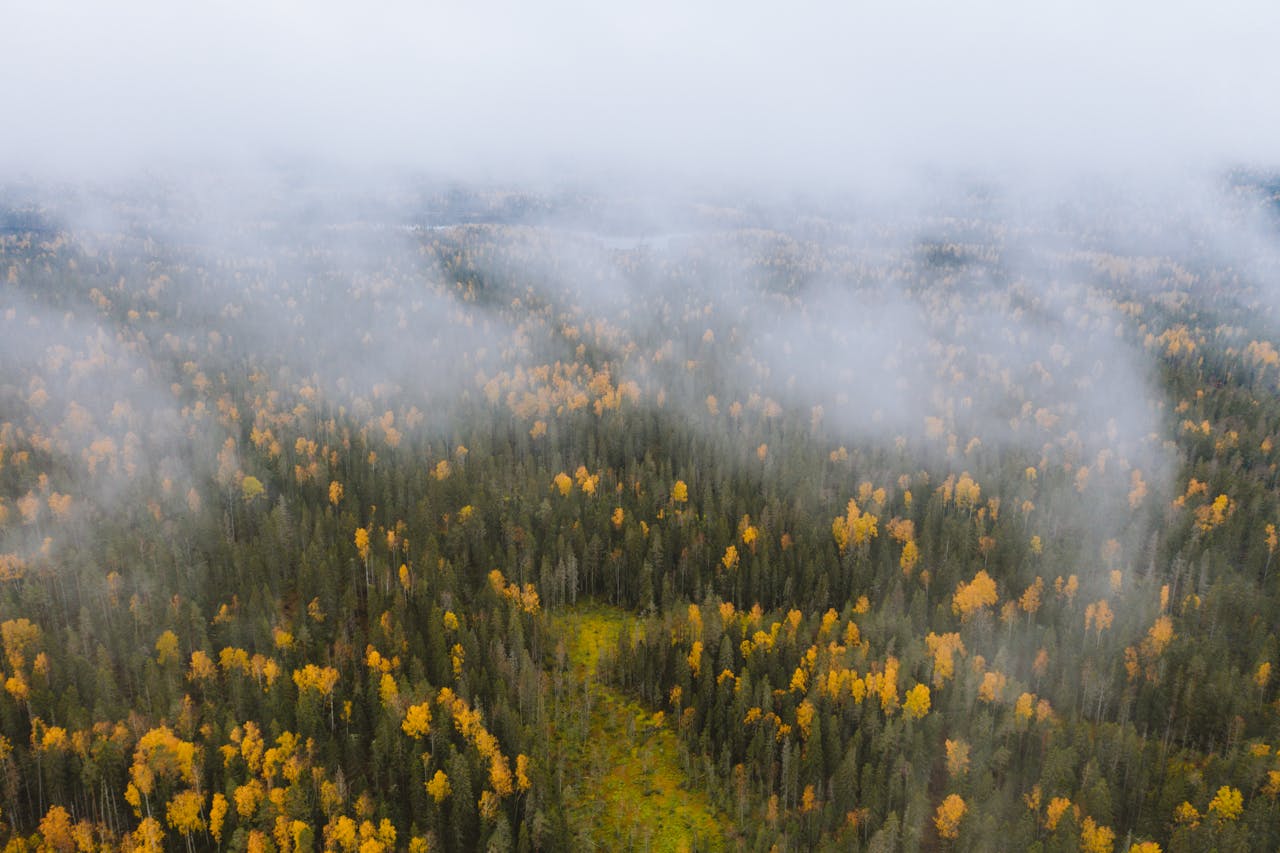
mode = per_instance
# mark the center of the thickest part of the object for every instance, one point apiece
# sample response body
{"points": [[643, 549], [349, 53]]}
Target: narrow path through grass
{"points": [[624, 785]]}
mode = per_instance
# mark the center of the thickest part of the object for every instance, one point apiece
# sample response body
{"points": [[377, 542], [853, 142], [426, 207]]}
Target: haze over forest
{"points": [[556, 427]]}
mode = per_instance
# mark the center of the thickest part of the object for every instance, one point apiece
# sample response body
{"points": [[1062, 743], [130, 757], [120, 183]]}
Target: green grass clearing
{"points": [[624, 784]]}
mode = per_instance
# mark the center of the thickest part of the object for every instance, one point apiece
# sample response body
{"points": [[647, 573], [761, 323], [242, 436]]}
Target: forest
{"points": [[470, 519]]}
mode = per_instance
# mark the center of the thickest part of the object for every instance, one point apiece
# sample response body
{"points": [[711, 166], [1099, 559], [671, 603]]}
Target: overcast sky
{"points": [[805, 92]]}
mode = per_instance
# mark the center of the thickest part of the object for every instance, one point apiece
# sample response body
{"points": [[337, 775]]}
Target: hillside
{"points": [[462, 521]]}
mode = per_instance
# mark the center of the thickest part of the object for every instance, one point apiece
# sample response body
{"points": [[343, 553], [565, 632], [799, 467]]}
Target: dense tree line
{"points": [[275, 590]]}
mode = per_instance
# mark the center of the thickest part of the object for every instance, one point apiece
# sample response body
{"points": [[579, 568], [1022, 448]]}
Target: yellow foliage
{"points": [[1137, 489], [388, 690], [18, 636], [54, 739], [1030, 600], [167, 648], [910, 556], [248, 797], [217, 814], [918, 702], [1099, 615], [695, 658], [183, 812], [457, 656], [341, 832], [322, 679], [488, 805], [943, 648], [1053, 813], [679, 492], [500, 775], [829, 620], [992, 687], [1095, 838], [1160, 635], [417, 720], [948, 816], [974, 597], [1272, 788], [967, 492], [522, 773], [1187, 815], [147, 838], [855, 527], [587, 481], [1227, 804], [1213, 515], [163, 753], [889, 686], [56, 831], [804, 718]]}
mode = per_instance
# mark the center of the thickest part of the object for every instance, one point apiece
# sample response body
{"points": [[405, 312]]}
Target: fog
{"points": [[745, 93], [298, 159]]}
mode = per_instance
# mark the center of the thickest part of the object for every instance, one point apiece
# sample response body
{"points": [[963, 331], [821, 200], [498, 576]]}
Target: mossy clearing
{"points": [[624, 785]]}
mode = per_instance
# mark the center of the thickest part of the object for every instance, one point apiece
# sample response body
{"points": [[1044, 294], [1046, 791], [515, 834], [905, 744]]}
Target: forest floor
{"points": [[624, 780]]}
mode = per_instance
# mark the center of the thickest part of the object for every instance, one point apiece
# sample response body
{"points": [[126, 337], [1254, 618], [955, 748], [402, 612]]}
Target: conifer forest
{"points": [[484, 519]]}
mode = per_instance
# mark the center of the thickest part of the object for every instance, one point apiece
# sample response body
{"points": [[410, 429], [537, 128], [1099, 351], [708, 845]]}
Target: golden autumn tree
{"points": [[917, 702], [160, 755], [56, 832], [1227, 804], [417, 720], [943, 648], [1095, 838], [679, 492], [948, 816], [562, 483], [910, 557], [184, 814], [1098, 615], [975, 597], [1054, 812], [855, 528], [438, 786]]}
